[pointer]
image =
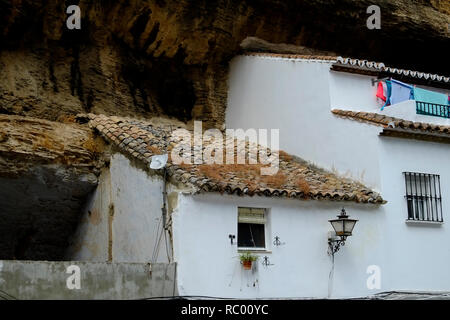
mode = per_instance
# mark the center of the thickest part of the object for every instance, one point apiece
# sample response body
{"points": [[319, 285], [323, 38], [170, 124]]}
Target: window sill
{"points": [[253, 250], [424, 223]]}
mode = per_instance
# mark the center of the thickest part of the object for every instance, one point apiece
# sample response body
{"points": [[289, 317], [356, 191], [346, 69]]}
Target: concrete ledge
{"points": [[424, 223], [411, 295], [27, 280]]}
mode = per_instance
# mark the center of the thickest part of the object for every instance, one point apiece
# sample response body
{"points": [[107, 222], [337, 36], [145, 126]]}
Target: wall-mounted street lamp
{"points": [[343, 227]]}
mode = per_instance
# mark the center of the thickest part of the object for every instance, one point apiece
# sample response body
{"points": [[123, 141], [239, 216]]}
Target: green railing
{"points": [[432, 109]]}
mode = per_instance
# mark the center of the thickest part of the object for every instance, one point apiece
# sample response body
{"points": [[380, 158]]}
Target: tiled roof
{"points": [[292, 56], [294, 179], [357, 64], [379, 66], [391, 122]]}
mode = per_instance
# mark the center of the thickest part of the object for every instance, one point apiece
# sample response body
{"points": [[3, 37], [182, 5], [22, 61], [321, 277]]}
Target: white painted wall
{"points": [[410, 257], [294, 97], [419, 255], [137, 200], [208, 264], [90, 241], [351, 91], [137, 212]]}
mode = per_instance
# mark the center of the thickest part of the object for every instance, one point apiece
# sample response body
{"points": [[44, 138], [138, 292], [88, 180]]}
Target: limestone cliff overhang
{"points": [[29, 141], [47, 170], [362, 66], [295, 177], [396, 127]]}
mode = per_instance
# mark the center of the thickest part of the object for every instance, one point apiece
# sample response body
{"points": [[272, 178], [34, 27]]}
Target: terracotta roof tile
{"points": [[294, 179], [392, 122]]}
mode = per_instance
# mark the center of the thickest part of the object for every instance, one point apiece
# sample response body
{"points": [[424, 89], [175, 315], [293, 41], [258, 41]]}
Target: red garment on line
{"points": [[380, 91]]}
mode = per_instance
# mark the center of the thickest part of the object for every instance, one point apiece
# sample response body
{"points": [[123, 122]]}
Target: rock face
{"points": [[47, 169], [163, 57]]}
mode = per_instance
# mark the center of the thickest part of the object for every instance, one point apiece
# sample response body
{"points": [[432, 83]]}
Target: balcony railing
{"points": [[432, 109]]}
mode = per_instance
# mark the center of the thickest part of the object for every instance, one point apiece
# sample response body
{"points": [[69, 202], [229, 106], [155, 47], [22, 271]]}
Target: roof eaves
{"points": [[129, 136], [417, 128], [380, 67], [287, 56]]}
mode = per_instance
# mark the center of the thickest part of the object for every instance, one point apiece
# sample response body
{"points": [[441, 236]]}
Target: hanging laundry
{"points": [[380, 91], [400, 91], [429, 96], [388, 94], [436, 98]]}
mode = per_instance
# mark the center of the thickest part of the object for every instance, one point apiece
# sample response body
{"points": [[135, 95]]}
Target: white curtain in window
{"points": [[252, 215]]}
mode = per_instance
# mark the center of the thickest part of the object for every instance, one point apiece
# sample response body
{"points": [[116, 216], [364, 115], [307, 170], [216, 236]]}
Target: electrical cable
{"points": [[167, 247], [158, 245], [8, 296], [187, 297], [157, 241], [174, 280], [330, 276]]}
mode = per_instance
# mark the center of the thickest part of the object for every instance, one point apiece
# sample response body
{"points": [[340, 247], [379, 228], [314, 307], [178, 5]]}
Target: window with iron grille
{"points": [[423, 196]]}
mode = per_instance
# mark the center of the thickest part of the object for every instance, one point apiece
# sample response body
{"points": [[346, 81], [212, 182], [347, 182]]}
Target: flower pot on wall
{"points": [[247, 265], [246, 259]]}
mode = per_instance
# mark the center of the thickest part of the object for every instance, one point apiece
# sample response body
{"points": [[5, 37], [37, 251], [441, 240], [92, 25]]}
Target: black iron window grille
{"points": [[432, 109], [423, 196]]}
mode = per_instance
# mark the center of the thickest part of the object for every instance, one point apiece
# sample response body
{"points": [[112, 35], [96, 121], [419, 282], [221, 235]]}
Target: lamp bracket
{"points": [[335, 244]]}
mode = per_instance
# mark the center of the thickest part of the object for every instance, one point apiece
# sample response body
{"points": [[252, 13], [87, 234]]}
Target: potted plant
{"points": [[246, 259]]}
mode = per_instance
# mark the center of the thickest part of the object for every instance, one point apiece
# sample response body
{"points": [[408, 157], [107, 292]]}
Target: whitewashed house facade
{"points": [[208, 209], [328, 113]]}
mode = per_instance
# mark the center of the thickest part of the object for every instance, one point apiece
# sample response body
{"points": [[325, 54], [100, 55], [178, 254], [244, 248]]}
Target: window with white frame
{"points": [[252, 225]]}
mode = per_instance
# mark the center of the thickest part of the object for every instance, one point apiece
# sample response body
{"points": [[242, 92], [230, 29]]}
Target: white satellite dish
{"points": [[158, 161]]}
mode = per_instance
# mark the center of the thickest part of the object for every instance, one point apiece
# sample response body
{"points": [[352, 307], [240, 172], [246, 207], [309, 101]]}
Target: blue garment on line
{"points": [[400, 91], [428, 96], [388, 94]]}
